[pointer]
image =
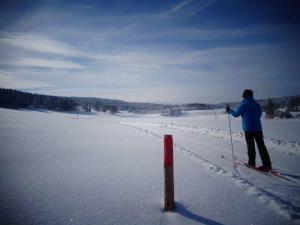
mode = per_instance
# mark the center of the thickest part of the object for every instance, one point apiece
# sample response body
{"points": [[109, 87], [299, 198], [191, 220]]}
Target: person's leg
{"points": [[263, 152], [251, 148]]}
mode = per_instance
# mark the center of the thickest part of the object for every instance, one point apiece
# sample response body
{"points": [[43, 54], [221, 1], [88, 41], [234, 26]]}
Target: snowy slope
{"points": [[57, 168]]}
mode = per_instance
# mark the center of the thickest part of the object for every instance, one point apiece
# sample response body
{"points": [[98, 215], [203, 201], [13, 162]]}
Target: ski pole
{"points": [[231, 140]]}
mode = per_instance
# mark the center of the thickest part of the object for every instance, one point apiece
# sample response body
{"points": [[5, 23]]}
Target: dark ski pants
{"points": [[263, 152]]}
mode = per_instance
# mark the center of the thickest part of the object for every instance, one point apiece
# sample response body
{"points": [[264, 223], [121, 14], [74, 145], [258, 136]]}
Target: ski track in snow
{"points": [[277, 203], [290, 147]]}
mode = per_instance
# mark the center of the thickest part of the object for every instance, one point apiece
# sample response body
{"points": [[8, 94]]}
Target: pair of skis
{"points": [[272, 172]]}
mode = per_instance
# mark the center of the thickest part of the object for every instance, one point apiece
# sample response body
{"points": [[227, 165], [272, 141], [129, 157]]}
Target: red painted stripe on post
{"points": [[168, 150]]}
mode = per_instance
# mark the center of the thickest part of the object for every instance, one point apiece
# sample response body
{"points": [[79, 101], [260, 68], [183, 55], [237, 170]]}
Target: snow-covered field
{"points": [[60, 168]]}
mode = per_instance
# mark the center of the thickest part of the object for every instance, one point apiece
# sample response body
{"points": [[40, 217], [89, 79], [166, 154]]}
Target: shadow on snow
{"points": [[183, 211]]}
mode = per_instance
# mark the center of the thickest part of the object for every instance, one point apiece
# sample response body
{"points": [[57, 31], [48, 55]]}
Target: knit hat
{"points": [[247, 93]]}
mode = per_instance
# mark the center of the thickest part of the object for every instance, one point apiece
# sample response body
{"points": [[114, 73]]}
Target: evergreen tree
{"points": [[113, 109], [98, 106], [270, 109]]}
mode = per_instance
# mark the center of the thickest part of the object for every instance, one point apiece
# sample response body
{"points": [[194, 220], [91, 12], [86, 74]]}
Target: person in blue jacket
{"points": [[250, 111]]}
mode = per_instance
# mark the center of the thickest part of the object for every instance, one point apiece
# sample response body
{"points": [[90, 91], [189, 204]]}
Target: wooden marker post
{"points": [[169, 175]]}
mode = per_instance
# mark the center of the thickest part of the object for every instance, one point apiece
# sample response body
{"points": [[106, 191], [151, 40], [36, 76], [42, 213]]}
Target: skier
{"points": [[251, 112]]}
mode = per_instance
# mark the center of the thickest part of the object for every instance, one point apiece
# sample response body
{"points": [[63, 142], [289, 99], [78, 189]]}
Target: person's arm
{"points": [[238, 112], [260, 110]]}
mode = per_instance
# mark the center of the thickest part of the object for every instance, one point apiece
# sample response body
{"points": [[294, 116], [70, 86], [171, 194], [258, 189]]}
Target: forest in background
{"points": [[273, 107]]}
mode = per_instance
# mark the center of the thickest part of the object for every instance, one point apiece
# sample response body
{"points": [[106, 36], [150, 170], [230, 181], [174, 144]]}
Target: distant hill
{"points": [[121, 105], [17, 99]]}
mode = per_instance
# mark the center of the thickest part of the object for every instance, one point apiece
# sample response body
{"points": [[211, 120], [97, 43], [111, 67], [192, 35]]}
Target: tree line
{"points": [[99, 107], [281, 109], [17, 99]]}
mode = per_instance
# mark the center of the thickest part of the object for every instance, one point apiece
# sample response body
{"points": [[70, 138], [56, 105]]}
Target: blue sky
{"points": [[154, 51]]}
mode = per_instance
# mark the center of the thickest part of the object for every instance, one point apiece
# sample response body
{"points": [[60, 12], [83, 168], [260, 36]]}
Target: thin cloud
{"points": [[201, 5], [201, 34], [186, 8], [179, 6], [9, 80], [148, 69], [44, 63], [38, 43]]}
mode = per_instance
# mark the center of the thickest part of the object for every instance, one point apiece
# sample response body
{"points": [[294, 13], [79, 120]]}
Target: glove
{"points": [[228, 108]]}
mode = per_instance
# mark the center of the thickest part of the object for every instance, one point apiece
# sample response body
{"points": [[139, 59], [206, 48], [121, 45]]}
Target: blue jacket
{"points": [[251, 112]]}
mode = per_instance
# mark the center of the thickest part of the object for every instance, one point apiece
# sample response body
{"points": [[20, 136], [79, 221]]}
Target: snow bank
{"points": [[59, 168]]}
